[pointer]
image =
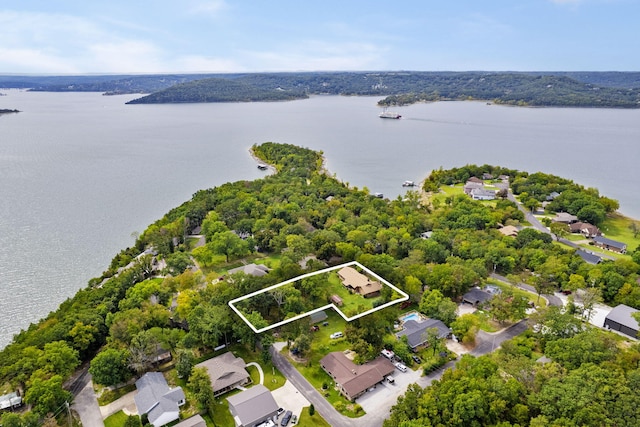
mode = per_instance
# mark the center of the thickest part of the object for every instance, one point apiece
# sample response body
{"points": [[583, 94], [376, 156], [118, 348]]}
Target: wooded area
{"points": [[137, 307]]}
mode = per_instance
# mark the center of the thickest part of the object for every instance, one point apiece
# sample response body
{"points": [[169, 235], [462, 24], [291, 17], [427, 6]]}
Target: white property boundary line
{"points": [[404, 297]]}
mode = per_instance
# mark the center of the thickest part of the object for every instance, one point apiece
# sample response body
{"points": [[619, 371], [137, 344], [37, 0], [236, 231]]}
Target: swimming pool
{"points": [[411, 316]]}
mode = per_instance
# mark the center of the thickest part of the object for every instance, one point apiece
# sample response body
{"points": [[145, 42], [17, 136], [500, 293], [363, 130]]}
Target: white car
{"points": [[401, 367], [336, 335]]}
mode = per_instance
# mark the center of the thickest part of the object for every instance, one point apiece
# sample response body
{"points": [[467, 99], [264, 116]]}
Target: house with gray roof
{"points": [[195, 421], [476, 297], [251, 269], [482, 194], [610, 245], [621, 319], [416, 332], [157, 400], [565, 218], [226, 372], [588, 257], [253, 406]]}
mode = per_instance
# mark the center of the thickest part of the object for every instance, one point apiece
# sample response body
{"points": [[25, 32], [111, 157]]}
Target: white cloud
{"points": [[124, 56], [30, 60]]}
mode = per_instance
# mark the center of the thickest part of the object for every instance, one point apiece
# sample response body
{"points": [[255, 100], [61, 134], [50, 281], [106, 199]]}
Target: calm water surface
{"points": [[80, 172]]}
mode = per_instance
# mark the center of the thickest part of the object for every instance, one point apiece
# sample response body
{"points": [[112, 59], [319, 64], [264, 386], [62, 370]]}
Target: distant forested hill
{"points": [[571, 89]]}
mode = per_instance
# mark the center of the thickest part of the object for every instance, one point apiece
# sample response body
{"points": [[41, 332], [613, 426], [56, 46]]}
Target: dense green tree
{"points": [[46, 394], [435, 305], [110, 367], [200, 385]]}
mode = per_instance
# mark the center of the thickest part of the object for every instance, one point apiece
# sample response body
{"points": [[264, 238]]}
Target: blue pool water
{"points": [[411, 316]]}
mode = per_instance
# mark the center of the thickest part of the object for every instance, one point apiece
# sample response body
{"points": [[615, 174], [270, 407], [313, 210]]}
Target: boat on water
{"points": [[408, 184], [389, 115], [378, 195], [262, 167]]}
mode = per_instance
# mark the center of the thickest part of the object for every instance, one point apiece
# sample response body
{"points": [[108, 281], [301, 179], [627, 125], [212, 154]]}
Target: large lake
{"points": [[80, 172]]}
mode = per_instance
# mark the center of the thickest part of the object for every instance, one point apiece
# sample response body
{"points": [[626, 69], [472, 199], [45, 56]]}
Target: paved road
{"points": [[488, 342], [86, 404], [553, 300]]}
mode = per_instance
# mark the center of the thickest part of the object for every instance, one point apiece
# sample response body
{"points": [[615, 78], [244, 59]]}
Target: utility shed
{"points": [[620, 319]]}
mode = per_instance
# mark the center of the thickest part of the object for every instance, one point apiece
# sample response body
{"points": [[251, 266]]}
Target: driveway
{"points": [[125, 404], [289, 398], [85, 404]]}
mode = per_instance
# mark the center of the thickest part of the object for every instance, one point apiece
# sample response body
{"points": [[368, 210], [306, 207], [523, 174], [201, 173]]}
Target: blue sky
{"points": [[161, 36]]}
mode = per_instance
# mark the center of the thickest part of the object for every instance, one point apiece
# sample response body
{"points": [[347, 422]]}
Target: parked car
{"points": [[294, 419], [286, 418], [336, 335], [390, 379], [416, 359], [401, 367], [280, 411]]}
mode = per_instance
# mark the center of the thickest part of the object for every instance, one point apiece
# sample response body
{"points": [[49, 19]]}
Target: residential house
{"points": [[416, 332], [253, 406], [157, 400], [565, 218], [589, 257], [482, 194], [552, 196], [472, 185], [258, 270], [509, 230], [476, 297], [226, 371], [359, 283], [475, 180], [621, 319], [487, 175], [195, 421], [354, 380], [610, 245], [584, 228]]}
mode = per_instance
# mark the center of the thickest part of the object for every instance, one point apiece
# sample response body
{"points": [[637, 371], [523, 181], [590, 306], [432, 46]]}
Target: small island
{"points": [[6, 111]]}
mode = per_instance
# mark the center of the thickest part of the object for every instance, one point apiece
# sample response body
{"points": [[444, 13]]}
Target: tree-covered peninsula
{"points": [[169, 293]]}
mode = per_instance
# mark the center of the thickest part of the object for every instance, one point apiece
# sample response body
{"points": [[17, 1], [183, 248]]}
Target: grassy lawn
{"points": [[518, 292], [485, 322], [116, 420], [352, 304], [616, 227], [221, 416], [109, 396], [314, 420], [273, 379]]}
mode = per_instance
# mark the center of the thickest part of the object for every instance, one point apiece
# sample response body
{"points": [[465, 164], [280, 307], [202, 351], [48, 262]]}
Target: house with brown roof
{"points": [[354, 380], [584, 228], [359, 283], [226, 372], [509, 230]]}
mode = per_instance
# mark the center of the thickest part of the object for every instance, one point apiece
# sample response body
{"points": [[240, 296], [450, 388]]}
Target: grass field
{"points": [[115, 420]]}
